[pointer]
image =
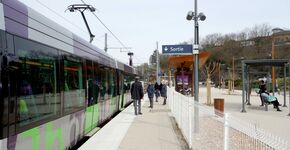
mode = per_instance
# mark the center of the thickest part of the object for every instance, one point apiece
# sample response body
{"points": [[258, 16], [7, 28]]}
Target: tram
{"points": [[54, 86]]}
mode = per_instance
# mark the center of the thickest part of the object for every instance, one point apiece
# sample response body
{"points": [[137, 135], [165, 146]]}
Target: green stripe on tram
{"points": [[89, 119], [51, 136], [96, 115], [121, 101], [92, 117], [34, 135]]}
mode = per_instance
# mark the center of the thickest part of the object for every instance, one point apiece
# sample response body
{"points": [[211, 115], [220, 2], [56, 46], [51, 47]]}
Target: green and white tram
{"points": [[54, 87]]}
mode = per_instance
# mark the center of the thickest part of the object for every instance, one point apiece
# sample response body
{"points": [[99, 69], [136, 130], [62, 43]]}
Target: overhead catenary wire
{"points": [[124, 46], [107, 28], [79, 28], [76, 26]]}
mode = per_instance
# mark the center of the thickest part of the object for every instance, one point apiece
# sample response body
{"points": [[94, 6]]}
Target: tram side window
{"points": [[115, 84], [10, 45], [90, 82], [121, 82], [103, 76], [127, 83], [36, 69], [6, 42], [74, 92], [93, 83], [111, 83], [97, 83]]}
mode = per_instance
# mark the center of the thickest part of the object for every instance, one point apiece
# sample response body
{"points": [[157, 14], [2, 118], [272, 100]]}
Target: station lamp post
{"points": [[195, 16]]}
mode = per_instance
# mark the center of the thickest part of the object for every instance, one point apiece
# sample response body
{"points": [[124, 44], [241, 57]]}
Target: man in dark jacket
{"points": [[137, 94]]}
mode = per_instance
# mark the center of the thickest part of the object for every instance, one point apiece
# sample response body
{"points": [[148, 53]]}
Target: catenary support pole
{"points": [[106, 42]]}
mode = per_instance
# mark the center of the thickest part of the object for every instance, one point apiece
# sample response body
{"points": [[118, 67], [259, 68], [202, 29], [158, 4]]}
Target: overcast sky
{"points": [[140, 23]]}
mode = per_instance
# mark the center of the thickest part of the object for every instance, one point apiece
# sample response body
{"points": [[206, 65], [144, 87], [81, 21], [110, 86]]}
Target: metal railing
{"points": [[216, 130]]}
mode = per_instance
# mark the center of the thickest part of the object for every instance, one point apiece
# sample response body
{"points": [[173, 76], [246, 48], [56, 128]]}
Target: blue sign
{"points": [[177, 49]]}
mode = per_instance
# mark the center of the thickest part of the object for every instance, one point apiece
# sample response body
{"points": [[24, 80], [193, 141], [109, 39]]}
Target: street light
{"points": [[195, 16]]}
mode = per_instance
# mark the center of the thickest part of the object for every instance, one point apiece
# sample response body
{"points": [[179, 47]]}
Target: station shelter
{"points": [[183, 70]]}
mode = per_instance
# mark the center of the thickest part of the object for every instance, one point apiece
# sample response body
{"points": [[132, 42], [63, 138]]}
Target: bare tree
{"points": [[260, 31], [210, 68], [212, 40]]}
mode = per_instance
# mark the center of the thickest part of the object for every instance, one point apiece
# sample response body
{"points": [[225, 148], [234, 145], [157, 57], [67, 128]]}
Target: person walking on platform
{"points": [[157, 91], [163, 91], [150, 91], [137, 94]]}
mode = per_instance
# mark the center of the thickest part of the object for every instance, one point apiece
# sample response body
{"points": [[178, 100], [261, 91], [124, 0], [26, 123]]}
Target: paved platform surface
{"points": [[154, 130], [276, 123]]}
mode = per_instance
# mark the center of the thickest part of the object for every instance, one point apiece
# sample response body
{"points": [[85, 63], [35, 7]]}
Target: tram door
{"points": [[8, 93]]}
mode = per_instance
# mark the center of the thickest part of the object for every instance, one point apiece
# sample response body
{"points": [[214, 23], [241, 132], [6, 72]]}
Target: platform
{"points": [[155, 129]]}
